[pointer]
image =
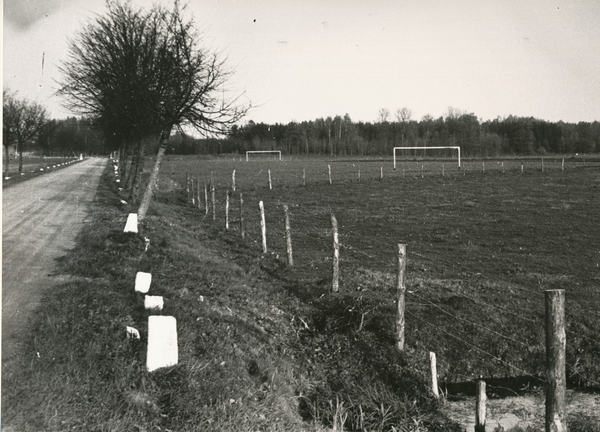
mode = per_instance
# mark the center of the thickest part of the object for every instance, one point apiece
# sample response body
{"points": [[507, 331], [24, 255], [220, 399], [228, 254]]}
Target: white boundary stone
{"points": [[162, 342], [142, 282], [154, 302], [132, 223]]}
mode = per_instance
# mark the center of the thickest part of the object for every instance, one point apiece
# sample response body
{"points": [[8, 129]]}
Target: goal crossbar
{"points": [[424, 148], [263, 151]]}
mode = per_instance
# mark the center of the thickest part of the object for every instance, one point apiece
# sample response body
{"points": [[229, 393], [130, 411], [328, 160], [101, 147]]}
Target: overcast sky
{"points": [[299, 60]]}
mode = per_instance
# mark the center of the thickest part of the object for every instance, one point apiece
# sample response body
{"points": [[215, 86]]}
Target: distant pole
{"points": [[400, 293], [206, 198], [542, 164], [480, 407], [288, 236], [329, 169], [502, 167], [562, 165], [263, 226], [303, 176], [198, 191], [242, 233], [233, 181], [335, 284], [556, 341], [381, 172], [421, 171], [359, 175]]}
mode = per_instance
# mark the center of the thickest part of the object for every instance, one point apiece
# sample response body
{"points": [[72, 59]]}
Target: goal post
{"points": [[425, 148], [278, 152]]}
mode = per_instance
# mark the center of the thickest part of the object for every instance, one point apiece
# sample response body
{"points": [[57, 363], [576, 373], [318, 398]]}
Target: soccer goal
{"points": [[277, 152], [426, 148]]}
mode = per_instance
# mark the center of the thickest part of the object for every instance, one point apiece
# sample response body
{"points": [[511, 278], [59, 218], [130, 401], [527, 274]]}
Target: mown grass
{"points": [[33, 166], [253, 354]]}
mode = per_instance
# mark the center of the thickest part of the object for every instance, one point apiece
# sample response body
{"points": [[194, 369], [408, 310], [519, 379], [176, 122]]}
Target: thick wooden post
{"points": [[335, 283], [434, 383], [242, 233], [480, 407], [556, 341], [400, 293], [263, 226], [288, 236], [227, 210]]}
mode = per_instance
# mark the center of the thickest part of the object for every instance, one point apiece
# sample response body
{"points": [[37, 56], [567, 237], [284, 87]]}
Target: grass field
{"points": [[266, 347], [32, 166]]}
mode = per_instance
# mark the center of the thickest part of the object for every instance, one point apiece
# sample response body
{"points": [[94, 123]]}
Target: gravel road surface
{"points": [[40, 219]]}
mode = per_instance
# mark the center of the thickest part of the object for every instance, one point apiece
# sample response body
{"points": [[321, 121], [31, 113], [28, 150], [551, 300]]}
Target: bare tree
{"points": [[383, 115], [403, 116], [142, 74], [21, 122]]}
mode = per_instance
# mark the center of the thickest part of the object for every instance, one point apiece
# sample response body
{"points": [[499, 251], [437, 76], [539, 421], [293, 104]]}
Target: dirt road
{"points": [[40, 220]]}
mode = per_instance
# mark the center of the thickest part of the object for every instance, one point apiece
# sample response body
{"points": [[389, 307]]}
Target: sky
{"points": [[297, 60]]}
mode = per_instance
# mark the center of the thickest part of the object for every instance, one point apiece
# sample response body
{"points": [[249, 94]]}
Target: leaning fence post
{"points": [[400, 293], [288, 236], [480, 407], [263, 226], [434, 383], [270, 184], [335, 283], [556, 341]]}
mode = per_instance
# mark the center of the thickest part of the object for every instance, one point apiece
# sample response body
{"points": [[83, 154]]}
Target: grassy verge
{"points": [[257, 351], [33, 167]]}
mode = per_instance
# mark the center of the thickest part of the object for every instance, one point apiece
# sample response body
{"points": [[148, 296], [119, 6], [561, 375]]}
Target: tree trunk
{"points": [[7, 160], [20, 158], [136, 171], [147, 198]]}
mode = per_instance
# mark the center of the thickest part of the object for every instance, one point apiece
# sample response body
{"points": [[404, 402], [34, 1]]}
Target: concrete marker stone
{"points": [[142, 282], [162, 342], [132, 223]]}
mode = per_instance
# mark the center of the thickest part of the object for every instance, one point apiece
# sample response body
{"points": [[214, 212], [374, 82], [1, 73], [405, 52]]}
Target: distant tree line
{"points": [[341, 136]]}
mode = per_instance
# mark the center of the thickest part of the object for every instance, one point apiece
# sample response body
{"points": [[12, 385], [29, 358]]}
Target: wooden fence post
{"points": [[335, 283], [359, 175], [556, 341], [270, 184], [242, 233], [213, 201], [421, 171], [227, 210], [400, 293], [206, 198], [521, 168], [233, 181], [288, 236], [502, 167], [303, 176], [480, 407], [381, 172], [187, 184], [562, 165], [542, 164], [198, 191], [192, 192], [263, 226], [434, 383], [329, 169]]}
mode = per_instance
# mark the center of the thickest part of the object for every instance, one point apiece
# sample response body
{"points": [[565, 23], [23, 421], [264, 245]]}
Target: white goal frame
{"points": [[263, 151], [424, 148]]}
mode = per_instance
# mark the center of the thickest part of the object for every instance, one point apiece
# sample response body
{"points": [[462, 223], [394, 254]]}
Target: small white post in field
{"points": [[233, 181], [434, 384], [227, 210], [359, 175], [162, 342], [421, 171], [562, 165], [480, 413], [270, 184], [187, 184], [400, 299], [131, 226], [502, 167], [303, 176], [242, 233], [443, 171], [263, 226], [483, 167], [335, 283], [329, 169], [198, 192], [192, 192], [542, 164], [522, 168], [381, 172], [142, 282], [288, 236], [213, 201]]}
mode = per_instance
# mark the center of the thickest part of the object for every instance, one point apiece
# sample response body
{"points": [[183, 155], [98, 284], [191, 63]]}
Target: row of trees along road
{"points": [[140, 75]]}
